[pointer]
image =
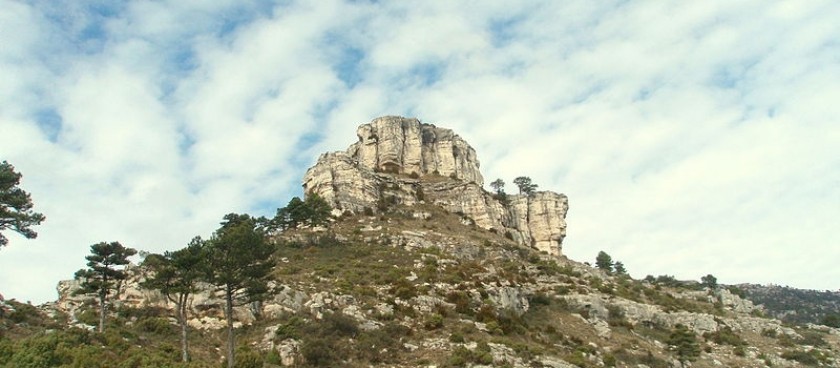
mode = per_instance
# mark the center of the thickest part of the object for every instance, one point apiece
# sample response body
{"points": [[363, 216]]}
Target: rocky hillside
{"points": [[442, 275], [796, 306]]}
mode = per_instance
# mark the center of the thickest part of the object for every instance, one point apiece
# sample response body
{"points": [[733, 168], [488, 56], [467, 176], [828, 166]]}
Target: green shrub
{"points": [[248, 358], [272, 358], [569, 271], [462, 356], [609, 360], [403, 289], [25, 313], [89, 316], [461, 300], [811, 357], [156, 325], [737, 291], [578, 359], [539, 299], [616, 318], [631, 360], [369, 344], [290, 329], [812, 338], [434, 322], [725, 336], [684, 343], [318, 352], [456, 337], [831, 320], [494, 328], [486, 314], [337, 324]]}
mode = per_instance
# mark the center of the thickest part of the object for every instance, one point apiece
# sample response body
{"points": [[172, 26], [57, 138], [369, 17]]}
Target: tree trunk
{"points": [[182, 319], [102, 311], [229, 316]]}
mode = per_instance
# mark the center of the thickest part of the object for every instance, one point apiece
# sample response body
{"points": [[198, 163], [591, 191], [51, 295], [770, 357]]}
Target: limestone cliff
{"points": [[403, 161]]}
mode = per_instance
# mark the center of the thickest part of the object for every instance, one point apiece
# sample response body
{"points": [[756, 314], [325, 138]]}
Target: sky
{"points": [[691, 137]]}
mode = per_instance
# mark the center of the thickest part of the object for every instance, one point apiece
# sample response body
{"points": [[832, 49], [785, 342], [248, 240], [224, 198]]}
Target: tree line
{"points": [[524, 183], [237, 260]]}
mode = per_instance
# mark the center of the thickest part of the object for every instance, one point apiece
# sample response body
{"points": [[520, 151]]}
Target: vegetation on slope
{"points": [[402, 290], [796, 306]]}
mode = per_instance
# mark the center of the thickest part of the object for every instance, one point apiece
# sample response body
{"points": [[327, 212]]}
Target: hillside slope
{"points": [[404, 290], [420, 267]]}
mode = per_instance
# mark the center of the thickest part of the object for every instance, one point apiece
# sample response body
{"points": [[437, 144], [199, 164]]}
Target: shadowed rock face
{"points": [[390, 159]]}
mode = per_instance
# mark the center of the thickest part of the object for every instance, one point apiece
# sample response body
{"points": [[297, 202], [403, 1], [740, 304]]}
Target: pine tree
{"points": [[498, 185], [525, 185], [684, 343], [709, 281], [314, 211], [15, 206], [105, 271], [619, 268], [176, 275], [604, 261], [240, 264]]}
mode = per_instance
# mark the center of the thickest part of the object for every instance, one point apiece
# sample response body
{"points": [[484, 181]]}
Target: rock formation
{"points": [[403, 161]]}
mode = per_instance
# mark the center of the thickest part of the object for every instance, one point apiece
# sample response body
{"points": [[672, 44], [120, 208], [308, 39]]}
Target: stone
{"points": [[402, 161], [510, 299], [734, 302], [602, 328], [288, 350], [554, 362]]}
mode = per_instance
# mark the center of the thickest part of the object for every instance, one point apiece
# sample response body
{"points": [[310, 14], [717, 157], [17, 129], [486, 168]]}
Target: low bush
{"points": [[725, 336], [811, 357], [462, 356]]}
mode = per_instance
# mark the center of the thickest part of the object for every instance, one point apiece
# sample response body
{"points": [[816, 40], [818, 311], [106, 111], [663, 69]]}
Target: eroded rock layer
{"points": [[402, 161]]}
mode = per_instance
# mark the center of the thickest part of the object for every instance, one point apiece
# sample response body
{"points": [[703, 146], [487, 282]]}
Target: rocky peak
{"points": [[400, 145], [402, 161]]}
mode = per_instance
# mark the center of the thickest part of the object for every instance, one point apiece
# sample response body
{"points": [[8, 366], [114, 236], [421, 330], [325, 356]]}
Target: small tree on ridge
{"points": [[104, 272], [709, 281], [239, 264], [604, 261], [525, 185], [619, 268], [15, 206], [176, 275], [498, 185]]}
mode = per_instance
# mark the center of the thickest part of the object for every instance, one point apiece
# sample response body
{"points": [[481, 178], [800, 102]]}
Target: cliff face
{"points": [[400, 145], [403, 161]]}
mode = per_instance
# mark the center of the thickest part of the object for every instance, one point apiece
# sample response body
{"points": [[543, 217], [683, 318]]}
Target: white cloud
{"points": [[690, 137]]}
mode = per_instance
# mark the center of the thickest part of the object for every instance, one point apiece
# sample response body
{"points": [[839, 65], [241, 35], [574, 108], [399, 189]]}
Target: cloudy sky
{"points": [[691, 137]]}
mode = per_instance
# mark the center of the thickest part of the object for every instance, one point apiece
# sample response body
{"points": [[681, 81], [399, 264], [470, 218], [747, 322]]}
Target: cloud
{"points": [[691, 138]]}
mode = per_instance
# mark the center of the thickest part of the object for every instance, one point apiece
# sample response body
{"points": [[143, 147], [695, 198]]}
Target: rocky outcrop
{"points": [[598, 308], [400, 145], [402, 161]]}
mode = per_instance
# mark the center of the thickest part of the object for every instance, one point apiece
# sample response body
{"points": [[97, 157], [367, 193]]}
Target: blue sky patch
{"points": [[503, 31], [50, 123], [427, 74], [349, 67], [232, 19]]}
